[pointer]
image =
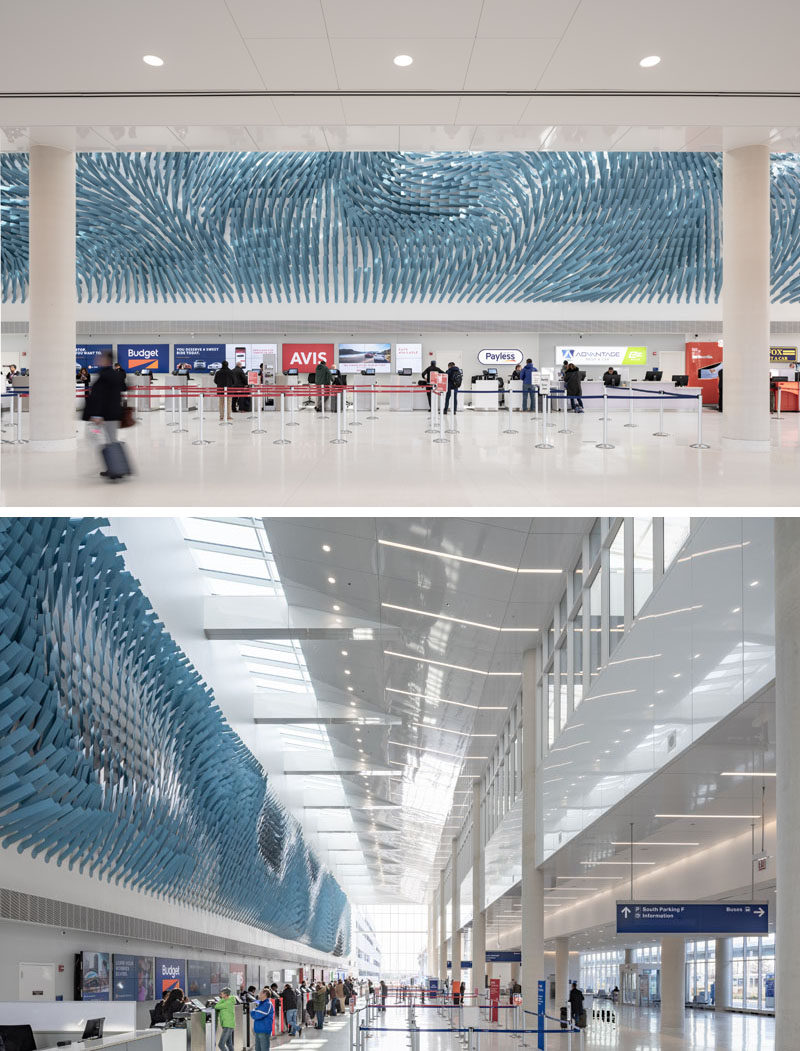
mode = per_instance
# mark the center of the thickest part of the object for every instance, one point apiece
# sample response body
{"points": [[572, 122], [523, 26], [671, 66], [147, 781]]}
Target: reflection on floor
{"points": [[392, 462]]}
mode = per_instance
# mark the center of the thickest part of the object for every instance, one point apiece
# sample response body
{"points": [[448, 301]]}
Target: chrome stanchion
{"points": [[373, 408], [630, 422], [322, 403], [338, 440], [11, 441], [700, 444], [777, 403], [283, 440], [292, 399], [544, 443], [441, 439], [454, 429], [355, 422], [510, 429], [605, 444], [200, 415], [430, 425], [343, 410], [20, 440], [227, 408], [258, 429], [660, 433], [181, 395], [173, 421], [564, 429]]}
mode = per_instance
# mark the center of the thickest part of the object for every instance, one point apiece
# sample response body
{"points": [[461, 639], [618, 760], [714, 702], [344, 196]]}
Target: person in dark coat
{"points": [[572, 385], [426, 375], [575, 1002], [240, 378], [103, 405], [224, 378], [453, 384]]}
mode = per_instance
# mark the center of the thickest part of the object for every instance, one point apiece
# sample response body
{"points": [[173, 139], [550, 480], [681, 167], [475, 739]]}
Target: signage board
{"points": [[200, 357], [306, 356], [170, 974], [541, 992], [494, 996], [433, 985], [134, 357], [94, 976], [544, 382], [408, 356], [353, 357], [500, 357], [602, 355], [692, 917], [86, 355], [783, 355], [133, 977], [503, 956]]}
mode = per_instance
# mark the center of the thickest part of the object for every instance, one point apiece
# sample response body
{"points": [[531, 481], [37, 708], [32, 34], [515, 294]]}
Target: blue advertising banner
{"points": [[134, 357], [692, 918], [170, 974], [495, 956], [200, 357], [433, 985], [95, 976], [86, 355], [541, 993], [133, 978]]}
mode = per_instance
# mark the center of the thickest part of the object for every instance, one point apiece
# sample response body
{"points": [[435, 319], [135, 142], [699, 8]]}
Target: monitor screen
{"points": [[353, 357], [404, 372], [681, 380], [290, 372], [368, 372], [93, 976], [133, 977], [491, 372], [93, 1030]]}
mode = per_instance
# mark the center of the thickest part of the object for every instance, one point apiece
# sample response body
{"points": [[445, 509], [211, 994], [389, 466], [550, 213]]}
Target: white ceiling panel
{"points": [[365, 110], [148, 137], [519, 62], [367, 63], [278, 137], [585, 138], [292, 64], [513, 19], [519, 137], [353, 137], [657, 138], [490, 111], [300, 18], [213, 137], [435, 138], [310, 111], [716, 138], [412, 18]]}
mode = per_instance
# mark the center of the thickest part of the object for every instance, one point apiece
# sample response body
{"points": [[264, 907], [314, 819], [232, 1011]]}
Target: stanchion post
{"points": [[355, 422], [430, 425], [292, 399], [544, 443], [172, 422], [322, 402], [700, 444], [605, 444], [777, 402], [510, 428], [630, 422], [20, 440], [564, 429], [283, 440], [343, 409], [660, 433], [258, 429], [338, 440], [373, 408], [441, 440], [201, 414]]}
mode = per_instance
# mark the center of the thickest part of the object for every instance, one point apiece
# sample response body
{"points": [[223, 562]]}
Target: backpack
{"points": [[458, 376]]}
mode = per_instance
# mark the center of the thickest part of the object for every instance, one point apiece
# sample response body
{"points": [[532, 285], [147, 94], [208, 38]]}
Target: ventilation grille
{"points": [[47, 912]]}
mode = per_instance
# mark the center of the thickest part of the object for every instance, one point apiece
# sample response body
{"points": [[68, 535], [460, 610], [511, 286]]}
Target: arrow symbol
{"points": [[626, 912], [759, 912]]}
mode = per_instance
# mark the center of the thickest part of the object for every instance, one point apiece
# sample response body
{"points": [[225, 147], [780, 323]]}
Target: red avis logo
{"points": [[306, 356]]}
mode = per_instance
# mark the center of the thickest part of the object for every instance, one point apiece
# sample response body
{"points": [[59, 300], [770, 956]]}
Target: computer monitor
{"points": [[654, 374], [681, 380], [93, 1030], [198, 1004], [491, 373], [405, 372], [781, 379], [290, 372], [17, 1038], [368, 372], [582, 374]]}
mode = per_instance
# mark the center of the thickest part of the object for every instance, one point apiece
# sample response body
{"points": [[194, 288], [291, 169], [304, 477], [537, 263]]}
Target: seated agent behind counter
{"points": [[226, 1015], [262, 1014]]}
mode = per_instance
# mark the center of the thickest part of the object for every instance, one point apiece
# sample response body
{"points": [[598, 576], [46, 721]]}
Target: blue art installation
{"points": [[114, 759], [396, 227]]}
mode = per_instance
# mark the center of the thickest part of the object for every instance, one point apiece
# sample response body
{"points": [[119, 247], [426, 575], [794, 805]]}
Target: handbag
{"points": [[127, 419]]}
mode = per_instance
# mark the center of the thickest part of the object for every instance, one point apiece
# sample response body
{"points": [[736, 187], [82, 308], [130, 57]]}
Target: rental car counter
{"points": [[643, 403], [411, 400], [62, 1021]]}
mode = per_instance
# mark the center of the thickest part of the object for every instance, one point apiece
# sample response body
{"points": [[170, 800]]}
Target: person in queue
{"points": [[263, 1015], [575, 1003], [226, 1015], [323, 378], [338, 992], [103, 403], [289, 999], [573, 388], [426, 375], [526, 375], [384, 991], [319, 1001], [454, 377], [224, 378], [240, 380]]}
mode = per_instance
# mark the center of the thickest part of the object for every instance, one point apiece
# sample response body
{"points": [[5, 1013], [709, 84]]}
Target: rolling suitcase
{"points": [[116, 460]]}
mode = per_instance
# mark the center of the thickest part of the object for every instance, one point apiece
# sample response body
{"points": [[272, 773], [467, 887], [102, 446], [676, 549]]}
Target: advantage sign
{"points": [[692, 918]]}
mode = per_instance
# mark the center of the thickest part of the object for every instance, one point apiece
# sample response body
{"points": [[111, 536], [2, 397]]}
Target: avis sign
{"points": [[696, 917], [306, 356]]}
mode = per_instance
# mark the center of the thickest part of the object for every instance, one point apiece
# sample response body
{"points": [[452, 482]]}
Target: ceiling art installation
{"points": [[114, 758], [389, 227]]}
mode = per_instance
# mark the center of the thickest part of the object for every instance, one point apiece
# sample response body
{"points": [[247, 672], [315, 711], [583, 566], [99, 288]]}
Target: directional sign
{"points": [[692, 917]]}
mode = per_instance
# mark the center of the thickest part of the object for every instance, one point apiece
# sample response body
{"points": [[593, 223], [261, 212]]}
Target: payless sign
{"points": [[306, 356]]}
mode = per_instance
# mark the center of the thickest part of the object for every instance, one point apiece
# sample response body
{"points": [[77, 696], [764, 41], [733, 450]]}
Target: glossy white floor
{"points": [[392, 462], [638, 1030]]}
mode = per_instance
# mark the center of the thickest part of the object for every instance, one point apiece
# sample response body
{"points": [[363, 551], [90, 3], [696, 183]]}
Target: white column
{"points": [[455, 941], [562, 972], [723, 988], [431, 961], [673, 982], [745, 298], [787, 787], [52, 298], [532, 879], [442, 931], [478, 893]]}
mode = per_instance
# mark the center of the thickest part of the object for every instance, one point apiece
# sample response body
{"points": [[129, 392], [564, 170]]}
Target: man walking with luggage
{"points": [[576, 1004], [103, 408]]}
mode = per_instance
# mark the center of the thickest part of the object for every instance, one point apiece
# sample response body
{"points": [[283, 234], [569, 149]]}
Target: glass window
{"points": [[577, 657], [616, 619], [562, 612], [595, 625], [676, 531], [577, 579], [642, 562], [551, 710], [561, 655], [594, 540]]}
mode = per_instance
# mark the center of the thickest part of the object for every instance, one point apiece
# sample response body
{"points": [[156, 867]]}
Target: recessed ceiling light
{"points": [[152, 60], [336, 609], [444, 664], [347, 671], [350, 689], [651, 843], [747, 773], [326, 547], [403, 60], [713, 817], [344, 653], [462, 558], [455, 620], [331, 580], [650, 60]]}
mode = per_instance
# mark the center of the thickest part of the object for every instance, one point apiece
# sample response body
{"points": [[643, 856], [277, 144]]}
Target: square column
{"points": [[478, 894], [722, 974], [532, 879], [442, 932], [673, 983], [455, 913], [562, 972]]}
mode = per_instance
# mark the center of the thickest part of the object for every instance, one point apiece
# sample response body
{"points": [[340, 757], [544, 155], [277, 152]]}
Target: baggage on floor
{"points": [[582, 1020], [116, 460]]}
